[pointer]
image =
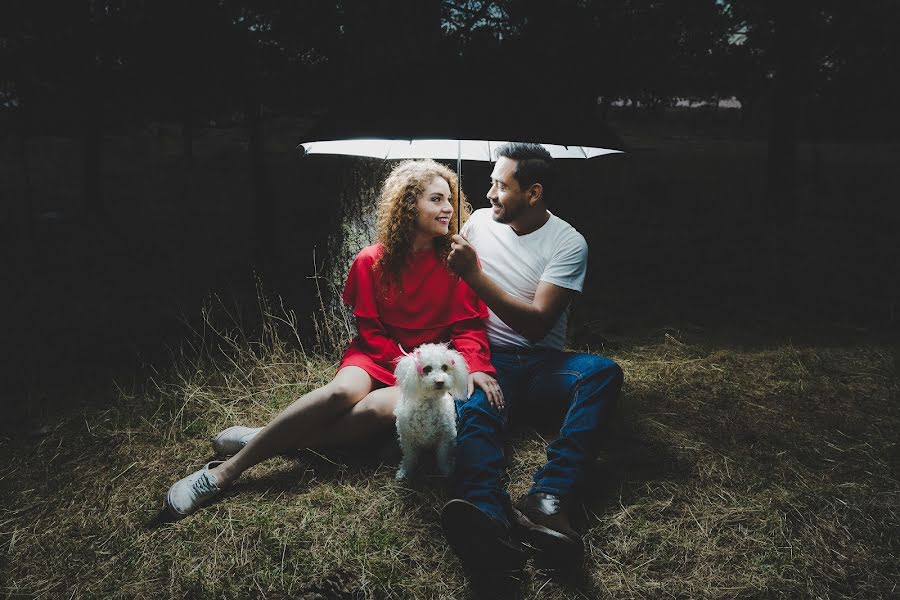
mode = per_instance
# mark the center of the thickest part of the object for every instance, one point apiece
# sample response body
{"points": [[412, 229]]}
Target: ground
{"points": [[740, 470]]}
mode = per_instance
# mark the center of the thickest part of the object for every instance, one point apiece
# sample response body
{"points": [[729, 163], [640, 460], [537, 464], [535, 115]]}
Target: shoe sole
{"points": [[555, 547], [475, 538], [171, 509]]}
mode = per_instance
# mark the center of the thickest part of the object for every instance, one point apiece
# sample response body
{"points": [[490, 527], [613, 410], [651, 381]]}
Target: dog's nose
{"points": [[439, 385]]}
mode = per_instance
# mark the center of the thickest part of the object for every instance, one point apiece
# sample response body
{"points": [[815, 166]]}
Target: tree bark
{"points": [[23, 211], [92, 147], [187, 124], [782, 189], [605, 103], [264, 232], [352, 224], [358, 192]]}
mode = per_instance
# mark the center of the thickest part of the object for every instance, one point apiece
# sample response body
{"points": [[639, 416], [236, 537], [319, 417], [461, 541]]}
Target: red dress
{"points": [[431, 305]]}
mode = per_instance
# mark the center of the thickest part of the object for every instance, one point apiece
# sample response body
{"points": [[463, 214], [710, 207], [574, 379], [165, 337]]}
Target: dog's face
{"points": [[431, 370]]}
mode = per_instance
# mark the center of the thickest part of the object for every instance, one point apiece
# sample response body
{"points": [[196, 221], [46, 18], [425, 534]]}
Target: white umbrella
{"points": [[395, 149], [482, 150]]}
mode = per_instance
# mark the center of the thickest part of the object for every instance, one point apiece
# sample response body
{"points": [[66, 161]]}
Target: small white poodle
{"points": [[429, 378]]}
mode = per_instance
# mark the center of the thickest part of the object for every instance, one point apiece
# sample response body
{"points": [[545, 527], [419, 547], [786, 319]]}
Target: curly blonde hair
{"points": [[397, 212]]}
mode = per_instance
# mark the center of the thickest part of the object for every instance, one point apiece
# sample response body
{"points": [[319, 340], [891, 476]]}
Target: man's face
{"points": [[508, 200]]}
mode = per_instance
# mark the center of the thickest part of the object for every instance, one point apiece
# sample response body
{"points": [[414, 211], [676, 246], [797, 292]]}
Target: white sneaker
{"points": [[188, 494], [230, 441]]}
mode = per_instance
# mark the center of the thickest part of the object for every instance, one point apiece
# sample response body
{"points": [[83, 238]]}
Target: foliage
{"points": [[147, 61]]}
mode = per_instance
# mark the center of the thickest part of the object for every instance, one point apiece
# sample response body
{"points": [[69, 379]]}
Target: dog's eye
{"points": [[426, 370], [443, 367]]}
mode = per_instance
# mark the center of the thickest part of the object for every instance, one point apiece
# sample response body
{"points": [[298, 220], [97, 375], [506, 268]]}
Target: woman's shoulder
{"points": [[371, 253]]}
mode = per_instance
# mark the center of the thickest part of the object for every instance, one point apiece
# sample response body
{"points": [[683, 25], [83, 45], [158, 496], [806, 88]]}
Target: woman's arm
{"points": [[375, 341], [470, 339]]}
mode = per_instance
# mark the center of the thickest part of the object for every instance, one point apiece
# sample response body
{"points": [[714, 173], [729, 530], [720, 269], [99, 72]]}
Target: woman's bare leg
{"points": [[297, 423], [370, 416]]}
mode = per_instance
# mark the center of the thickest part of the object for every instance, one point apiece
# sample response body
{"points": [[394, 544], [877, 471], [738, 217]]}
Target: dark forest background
{"points": [[149, 160]]}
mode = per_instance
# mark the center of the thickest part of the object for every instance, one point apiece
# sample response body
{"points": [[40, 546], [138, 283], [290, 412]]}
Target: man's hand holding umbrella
{"points": [[463, 258]]}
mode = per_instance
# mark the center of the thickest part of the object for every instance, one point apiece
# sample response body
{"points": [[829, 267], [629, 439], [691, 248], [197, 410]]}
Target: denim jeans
{"points": [[541, 386]]}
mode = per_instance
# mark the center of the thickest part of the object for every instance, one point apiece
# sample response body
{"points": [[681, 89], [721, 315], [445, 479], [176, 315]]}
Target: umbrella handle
{"points": [[459, 187]]}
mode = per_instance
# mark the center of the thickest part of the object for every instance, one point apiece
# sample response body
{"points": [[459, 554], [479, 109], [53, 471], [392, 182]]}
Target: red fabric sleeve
{"points": [[466, 304], [359, 290], [376, 343], [469, 337]]}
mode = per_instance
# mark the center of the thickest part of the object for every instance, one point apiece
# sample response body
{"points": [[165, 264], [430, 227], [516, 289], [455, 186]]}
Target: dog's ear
{"points": [[460, 372], [407, 376]]}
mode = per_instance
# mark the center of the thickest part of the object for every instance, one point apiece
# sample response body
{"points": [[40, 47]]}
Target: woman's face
{"points": [[434, 209]]}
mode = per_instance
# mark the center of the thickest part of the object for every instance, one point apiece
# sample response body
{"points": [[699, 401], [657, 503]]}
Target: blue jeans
{"points": [[539, 385]]}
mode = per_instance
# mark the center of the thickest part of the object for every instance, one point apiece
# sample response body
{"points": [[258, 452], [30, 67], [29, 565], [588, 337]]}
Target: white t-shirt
{"points": [[555, 253]]}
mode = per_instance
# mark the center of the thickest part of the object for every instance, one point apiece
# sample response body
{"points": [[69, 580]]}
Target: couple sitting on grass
{"points": [[423, 282]]}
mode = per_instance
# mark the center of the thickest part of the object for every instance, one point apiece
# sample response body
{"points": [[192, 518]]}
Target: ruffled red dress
{"points": [[430, 305]]}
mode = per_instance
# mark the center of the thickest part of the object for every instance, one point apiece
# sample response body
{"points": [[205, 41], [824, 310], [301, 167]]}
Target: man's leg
{"points": [[585, 388], [589, 385], [476, 521], [480, 462]]}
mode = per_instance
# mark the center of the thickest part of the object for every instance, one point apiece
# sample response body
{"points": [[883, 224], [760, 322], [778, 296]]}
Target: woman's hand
{"points": [[490, 386]]}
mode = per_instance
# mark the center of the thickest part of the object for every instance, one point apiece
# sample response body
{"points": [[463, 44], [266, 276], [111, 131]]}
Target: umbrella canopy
{"points": [[459, 126], [482, 150], [479, 150]]}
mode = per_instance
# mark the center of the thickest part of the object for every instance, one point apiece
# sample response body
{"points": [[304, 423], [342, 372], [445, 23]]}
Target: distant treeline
{"points": [[67, 66]]}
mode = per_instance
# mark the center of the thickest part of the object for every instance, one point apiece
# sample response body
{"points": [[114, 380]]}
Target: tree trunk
{"points": [[605, 103], [782, 187], [358, 191], [23, 212], [264, 231], [747, 112], [352, 225], [187, 124], [92, 146]]}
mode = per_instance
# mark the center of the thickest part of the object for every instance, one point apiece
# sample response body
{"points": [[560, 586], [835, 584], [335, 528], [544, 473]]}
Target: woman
{"points": [[402, 296]]}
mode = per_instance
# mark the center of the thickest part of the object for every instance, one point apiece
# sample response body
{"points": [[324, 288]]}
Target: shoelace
{"points": [[204, 485]]}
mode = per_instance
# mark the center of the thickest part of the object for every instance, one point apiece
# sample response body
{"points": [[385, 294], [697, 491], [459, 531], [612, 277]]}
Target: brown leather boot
{"points": [[546, 521], [481, 542]]}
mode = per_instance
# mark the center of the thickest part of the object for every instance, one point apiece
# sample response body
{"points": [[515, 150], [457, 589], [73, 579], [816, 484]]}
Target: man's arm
{"points": [[535, 320]]}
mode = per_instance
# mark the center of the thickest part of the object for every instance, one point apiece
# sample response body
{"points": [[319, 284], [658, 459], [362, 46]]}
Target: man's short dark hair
{"points": [[533, 165]]}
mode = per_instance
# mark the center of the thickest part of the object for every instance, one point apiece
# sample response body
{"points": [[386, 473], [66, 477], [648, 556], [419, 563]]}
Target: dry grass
{"points": [[740, 472]]}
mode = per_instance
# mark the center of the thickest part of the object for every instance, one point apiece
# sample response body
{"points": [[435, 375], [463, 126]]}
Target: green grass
{"points": [[765, 470]]}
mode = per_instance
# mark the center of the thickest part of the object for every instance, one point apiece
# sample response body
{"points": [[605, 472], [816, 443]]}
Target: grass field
{"points": [[738, 471]]}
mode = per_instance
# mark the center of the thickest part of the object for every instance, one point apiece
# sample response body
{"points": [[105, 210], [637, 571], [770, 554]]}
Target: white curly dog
{"points": [[429, 378]]}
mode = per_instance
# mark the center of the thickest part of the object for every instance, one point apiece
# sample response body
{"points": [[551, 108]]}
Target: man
{"points": [[527, 265]]}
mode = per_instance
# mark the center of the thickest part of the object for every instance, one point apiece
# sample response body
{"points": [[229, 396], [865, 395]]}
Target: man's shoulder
{"points": [[479, 220], [565, 233], [480, 216]]}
